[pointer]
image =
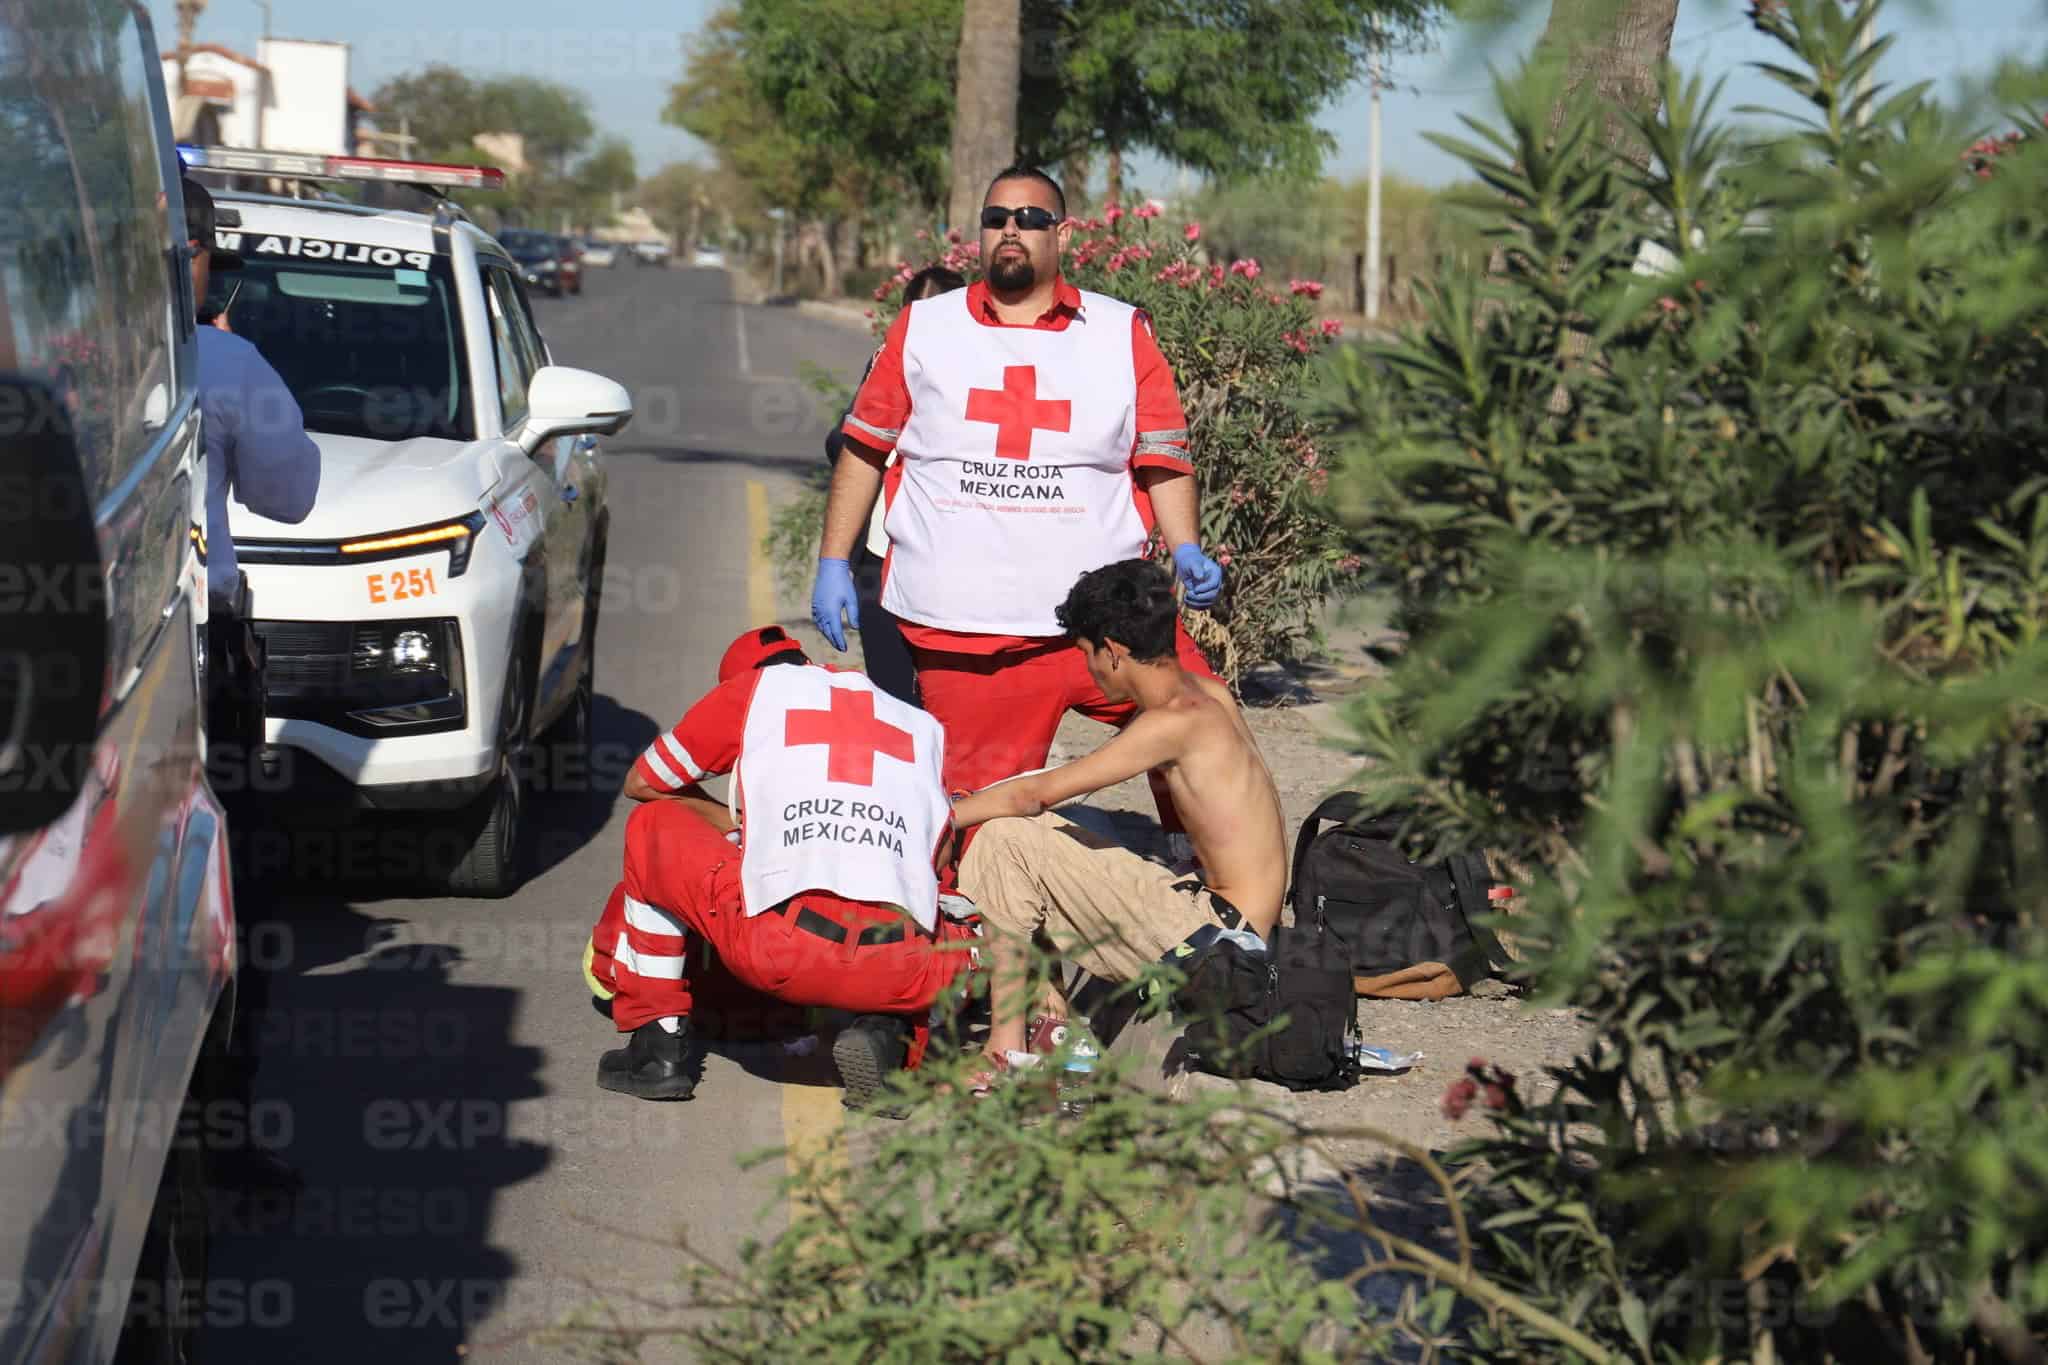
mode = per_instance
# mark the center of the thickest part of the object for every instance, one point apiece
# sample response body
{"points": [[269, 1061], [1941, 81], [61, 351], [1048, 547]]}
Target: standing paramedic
{"points": [[826, 891], [1038, 436]]}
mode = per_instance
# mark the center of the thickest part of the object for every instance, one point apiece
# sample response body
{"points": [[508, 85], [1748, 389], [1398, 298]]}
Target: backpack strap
{"points": [[1470, 888]]}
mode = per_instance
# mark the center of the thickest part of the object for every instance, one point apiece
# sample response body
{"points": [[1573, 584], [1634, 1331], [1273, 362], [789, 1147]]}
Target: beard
{"points": [[1012, 272]]}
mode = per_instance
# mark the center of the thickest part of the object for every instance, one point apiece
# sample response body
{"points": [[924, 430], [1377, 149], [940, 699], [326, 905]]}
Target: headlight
{"points": [[459, 536], [406, 672]]}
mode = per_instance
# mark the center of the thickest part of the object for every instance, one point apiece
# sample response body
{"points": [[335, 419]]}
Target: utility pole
{"points": [[263, 74], [1372, 199], [777, 215]]}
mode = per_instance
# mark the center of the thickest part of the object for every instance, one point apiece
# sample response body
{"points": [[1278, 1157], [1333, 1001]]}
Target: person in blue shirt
{"points": [[258, 452], [257, 449]]}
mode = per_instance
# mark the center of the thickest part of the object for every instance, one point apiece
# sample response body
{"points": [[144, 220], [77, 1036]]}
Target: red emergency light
{"points": [[313, 166]]}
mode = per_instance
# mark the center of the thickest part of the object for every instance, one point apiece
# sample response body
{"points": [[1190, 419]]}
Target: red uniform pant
{"points": [[683, 882], [1002, 710]]}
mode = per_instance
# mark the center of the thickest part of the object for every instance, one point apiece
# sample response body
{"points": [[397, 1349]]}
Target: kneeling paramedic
{"points": [[826, 891]]}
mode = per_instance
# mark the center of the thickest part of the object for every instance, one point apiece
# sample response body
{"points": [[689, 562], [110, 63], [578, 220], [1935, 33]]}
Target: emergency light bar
{"points": [[304, 166]]}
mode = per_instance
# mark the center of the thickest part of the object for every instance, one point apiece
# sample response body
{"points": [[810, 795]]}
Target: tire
{"points": [[160, 1326], [490, 863]]}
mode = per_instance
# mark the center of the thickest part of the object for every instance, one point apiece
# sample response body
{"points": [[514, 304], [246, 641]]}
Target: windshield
{"points": [[367, 349]]}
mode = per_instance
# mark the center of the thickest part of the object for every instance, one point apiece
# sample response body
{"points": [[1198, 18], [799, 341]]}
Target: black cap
{"points": [[199, 226]]}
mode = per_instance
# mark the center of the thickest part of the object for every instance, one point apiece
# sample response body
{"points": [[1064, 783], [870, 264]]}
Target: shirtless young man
{"points": [[1103, 905]]}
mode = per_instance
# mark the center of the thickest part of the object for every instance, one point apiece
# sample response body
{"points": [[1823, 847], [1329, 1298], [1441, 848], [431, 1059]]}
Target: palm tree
{"points": [[985, 104]]}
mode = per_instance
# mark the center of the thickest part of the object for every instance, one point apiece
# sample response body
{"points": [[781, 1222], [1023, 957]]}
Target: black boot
{"points": [[867, 1051], [651, 1065]]}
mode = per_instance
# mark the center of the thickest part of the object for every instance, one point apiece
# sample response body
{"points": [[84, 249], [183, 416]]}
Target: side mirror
{"points": [[563, 401], [53, 620]]}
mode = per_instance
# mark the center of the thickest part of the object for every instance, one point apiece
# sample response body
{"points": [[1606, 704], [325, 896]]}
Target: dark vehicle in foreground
{"points": [[117, 933]]}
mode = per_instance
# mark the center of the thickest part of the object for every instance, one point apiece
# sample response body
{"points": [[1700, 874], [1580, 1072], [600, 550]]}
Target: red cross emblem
{"points": [[851, 736], [1017, 411]]}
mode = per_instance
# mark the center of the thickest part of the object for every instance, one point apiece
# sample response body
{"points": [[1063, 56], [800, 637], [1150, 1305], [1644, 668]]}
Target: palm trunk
{"points": [[984, 105], [1608, 50], [1115, 187]]}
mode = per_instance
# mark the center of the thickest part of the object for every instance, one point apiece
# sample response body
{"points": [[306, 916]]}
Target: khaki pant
{"points": [[1102, 906]]}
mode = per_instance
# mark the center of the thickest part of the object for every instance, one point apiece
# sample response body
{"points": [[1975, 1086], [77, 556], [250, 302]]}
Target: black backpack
{"points": [[1392, 915], [1303, 977]]}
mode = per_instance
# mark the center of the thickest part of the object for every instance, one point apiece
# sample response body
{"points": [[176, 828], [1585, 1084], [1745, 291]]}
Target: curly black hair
{"points": [[1130, 602]]}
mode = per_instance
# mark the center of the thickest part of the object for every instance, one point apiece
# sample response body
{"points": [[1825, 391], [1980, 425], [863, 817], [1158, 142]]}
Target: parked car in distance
{"points": [[538, 257], [117, 928], [651, 253], [708, 257], [600, 255]]}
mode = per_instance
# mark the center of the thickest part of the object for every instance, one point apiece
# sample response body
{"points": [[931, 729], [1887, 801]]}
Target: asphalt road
{"points": [[432, 1061]]}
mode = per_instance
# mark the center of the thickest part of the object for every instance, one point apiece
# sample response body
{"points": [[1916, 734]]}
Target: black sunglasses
{"points": [[1031, 219]]}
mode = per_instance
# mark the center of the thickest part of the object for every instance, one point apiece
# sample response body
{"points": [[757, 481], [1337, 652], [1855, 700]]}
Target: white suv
{"points": [[433, 622]]}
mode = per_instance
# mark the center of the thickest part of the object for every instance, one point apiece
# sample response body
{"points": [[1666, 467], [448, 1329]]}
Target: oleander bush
{"points": [[1719, 526]]}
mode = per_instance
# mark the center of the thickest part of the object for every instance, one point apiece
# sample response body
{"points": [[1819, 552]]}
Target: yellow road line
{"points": [[760, 573], [811, 1114]]}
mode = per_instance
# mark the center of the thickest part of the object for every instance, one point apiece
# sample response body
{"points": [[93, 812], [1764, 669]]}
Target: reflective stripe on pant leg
{"points": [[650, 966]]}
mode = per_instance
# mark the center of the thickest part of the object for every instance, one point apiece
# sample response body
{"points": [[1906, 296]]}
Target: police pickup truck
{"points": [[432, 624]]}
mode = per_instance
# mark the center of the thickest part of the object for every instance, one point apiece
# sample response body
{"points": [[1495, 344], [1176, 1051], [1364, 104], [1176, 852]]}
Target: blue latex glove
{"points": [[1199, 574], [832, 594]]}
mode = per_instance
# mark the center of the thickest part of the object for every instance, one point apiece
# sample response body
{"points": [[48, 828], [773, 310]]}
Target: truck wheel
{"points": [[489, 865]]}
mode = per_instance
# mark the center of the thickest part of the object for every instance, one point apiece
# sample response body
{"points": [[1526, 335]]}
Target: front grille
{"points": [[306, 658]]}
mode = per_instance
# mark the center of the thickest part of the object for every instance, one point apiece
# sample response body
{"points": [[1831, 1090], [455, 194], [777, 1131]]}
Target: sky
{"points": [[628, 53]]}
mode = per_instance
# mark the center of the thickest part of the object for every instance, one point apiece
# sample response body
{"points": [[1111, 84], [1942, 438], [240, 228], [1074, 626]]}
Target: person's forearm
{"points": [[1018, 796], [1175, 507], [856, 479]]}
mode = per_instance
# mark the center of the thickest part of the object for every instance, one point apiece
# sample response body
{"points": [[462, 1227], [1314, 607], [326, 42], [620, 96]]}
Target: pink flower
{"points": [[1151, 208], [1310, 459], [1318, 480], [1223, 555], [1248, 269], [1333, 328], [924, 234], [1215, 276], [1312, 288], [953, 235], [881, 293], [1193, 232], [869, 313], [1111, 214], [1349, 564], [1458, 1098], [1669, 305], [1238, 497]]}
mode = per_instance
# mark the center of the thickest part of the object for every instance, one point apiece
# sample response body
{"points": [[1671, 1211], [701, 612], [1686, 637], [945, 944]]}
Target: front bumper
{"points": [[313, 615]]}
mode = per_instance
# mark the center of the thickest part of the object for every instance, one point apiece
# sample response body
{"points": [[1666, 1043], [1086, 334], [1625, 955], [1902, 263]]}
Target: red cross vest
{"points": [[1016, 466], [839, 790]]}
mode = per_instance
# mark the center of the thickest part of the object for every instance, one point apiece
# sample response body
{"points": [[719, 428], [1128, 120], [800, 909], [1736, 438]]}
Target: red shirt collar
{"points": [[1066, 304]]}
